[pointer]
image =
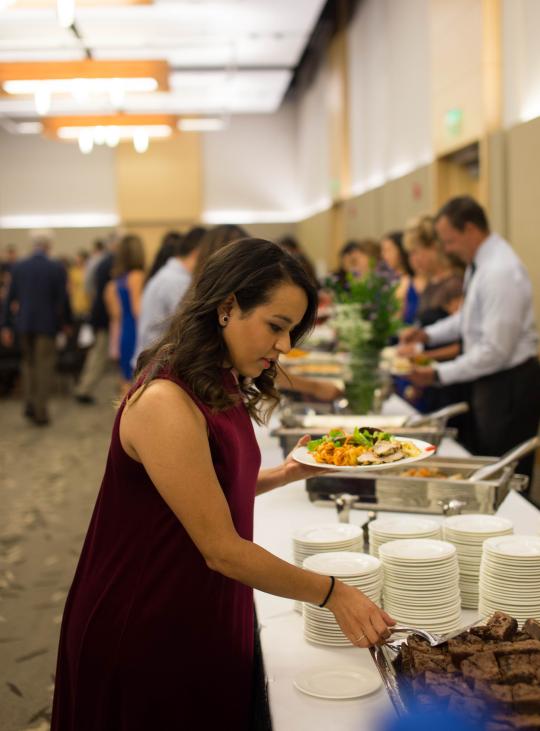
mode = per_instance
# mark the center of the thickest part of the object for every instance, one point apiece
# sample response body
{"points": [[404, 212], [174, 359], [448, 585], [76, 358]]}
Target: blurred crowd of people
{"points": [[111, 304]]}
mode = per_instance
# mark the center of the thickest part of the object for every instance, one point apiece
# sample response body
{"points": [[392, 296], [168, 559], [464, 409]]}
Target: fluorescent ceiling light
{"points": [[65, 10], [29, 128], [291, 215], [86, 141], [74, 86], [61, 220], [202, 124], [124, 132], [140, 141]]}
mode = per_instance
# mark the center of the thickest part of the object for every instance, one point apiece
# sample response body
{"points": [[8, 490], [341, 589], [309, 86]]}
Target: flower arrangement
{"points": [[366, 317], [373, 311]]}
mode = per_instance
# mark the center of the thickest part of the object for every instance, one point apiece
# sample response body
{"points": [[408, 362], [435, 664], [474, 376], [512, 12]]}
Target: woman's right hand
{"points": [[362, 621]]}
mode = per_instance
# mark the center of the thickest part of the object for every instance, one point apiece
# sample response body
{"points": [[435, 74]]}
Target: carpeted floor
{"points": [[49, 478]]}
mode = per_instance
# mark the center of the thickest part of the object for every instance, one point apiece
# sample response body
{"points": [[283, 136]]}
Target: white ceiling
{"points": [[226, 56]]}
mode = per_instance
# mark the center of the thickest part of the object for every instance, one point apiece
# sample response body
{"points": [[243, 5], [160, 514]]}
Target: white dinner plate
{"points": [[304, 456], [402, 526], [523, 548], [478, 524], [343, 563], [417, 549], [324, 533], [338, 683]]}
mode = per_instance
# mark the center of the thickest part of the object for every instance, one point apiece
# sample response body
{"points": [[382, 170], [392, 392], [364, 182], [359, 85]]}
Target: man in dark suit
{"points": [[35, 309]]}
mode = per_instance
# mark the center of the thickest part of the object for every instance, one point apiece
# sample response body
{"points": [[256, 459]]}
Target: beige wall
{"points": [[162, 185], [456, 71], [390, 206], [523, 164], [315, 234], [370, 215]]}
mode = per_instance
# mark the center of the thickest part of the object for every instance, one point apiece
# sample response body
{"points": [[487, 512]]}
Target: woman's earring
{"points": [[224, 320]]}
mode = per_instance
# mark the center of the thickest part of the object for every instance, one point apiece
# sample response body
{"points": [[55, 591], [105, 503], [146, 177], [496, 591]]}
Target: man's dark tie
{"points": [[472, 269]]}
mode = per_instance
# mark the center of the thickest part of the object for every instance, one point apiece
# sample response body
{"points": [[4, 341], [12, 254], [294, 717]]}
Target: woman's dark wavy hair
{"points": [[193, 348]]}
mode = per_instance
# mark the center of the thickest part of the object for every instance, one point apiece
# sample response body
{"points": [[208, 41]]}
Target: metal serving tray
{"points": [[392, 491]]}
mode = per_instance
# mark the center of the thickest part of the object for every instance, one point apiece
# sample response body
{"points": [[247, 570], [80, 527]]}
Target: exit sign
{"points": [[453, 121]]}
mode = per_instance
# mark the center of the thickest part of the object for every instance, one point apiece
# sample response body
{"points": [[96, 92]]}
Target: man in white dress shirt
{"points": [[496, 326], [164, 291]]}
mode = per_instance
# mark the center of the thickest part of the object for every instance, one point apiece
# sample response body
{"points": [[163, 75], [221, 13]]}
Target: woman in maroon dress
{"points": [[157, 633]]}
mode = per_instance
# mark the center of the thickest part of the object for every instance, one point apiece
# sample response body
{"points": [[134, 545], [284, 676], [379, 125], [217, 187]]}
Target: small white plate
{"points": [[337, 683], [304, 456]]}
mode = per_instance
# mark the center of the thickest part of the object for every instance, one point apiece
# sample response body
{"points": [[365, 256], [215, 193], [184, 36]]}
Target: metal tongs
{"points": [[434, 639], [442, 414], [511, 456]]}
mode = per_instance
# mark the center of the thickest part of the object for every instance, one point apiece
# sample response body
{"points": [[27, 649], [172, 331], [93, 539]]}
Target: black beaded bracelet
{"points": [[330, 590]]}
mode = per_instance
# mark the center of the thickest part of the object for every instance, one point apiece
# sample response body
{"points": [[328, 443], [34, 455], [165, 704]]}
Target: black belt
{"points": [[515, 370]]}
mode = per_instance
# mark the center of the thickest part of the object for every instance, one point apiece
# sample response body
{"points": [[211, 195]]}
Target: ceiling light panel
{"points": [[33, 30], [203, 92], [20, 56], [217, 34], [186, 19], [245, 51]]}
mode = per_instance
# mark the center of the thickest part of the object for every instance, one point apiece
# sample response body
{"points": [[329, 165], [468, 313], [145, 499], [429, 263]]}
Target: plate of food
{"points": [[402, 366], [365, 449]]}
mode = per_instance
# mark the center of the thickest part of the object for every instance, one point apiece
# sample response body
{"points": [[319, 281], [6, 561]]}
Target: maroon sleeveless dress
{"points": [[151, 638]]}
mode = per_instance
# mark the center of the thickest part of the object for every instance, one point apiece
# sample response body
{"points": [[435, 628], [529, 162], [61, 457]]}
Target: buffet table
{"points": [[286, 653]]}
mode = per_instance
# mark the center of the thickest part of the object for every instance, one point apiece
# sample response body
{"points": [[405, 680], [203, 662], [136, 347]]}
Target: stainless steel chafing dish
{"points": [[296, 421], [468, 485], [474, 491]]}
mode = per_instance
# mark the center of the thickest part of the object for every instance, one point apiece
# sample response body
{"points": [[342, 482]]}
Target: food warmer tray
{"points": [[392, 491]]}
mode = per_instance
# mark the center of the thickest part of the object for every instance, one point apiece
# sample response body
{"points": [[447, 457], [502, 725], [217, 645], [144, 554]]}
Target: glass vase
{"points": [[364, 386]]}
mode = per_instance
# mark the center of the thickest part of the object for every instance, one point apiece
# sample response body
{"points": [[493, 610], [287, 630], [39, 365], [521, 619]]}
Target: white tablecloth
{"points": [[277, 515]]}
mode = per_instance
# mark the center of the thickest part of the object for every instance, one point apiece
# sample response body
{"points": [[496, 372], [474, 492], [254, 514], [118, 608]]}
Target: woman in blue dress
{"points": [[123, 298]]}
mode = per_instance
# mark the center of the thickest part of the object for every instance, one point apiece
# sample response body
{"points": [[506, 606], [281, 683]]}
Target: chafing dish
{"points": [[298, 419], [396, 492], [469, 485]]}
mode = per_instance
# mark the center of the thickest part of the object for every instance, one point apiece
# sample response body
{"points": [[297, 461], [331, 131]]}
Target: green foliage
{"points": [[378, 305]]}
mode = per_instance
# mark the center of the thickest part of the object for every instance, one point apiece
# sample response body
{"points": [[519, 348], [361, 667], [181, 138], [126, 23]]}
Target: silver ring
{"points": [[362, 637]]}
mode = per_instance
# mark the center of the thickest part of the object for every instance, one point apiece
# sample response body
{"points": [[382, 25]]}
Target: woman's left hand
{"points": [[294, 470]]}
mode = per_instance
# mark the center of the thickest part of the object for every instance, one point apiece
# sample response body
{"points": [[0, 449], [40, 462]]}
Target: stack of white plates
{"points": [[421, 583], [356, 569], [384, 530], [468, 533], [510, 576], [324, 537]]}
